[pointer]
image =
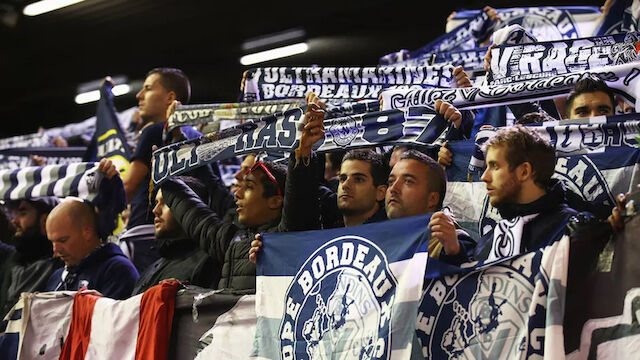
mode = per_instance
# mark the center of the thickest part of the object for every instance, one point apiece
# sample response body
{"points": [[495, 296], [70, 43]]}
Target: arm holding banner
{"points": [[199, 222]]}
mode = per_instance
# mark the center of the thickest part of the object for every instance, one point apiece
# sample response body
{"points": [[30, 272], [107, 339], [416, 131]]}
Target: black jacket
{"points": [[310, 206], [180, 259], [25, 269], [226, 241], [547, 227]]}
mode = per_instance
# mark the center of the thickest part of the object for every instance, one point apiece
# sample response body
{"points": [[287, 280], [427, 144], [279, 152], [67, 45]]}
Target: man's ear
{"points": [[275, 202], [524, 171], [433, 200], [381, 192], [171, 96], [43, 223]]}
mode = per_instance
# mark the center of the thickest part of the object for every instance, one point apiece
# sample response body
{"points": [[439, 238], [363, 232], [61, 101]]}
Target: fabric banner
{"points": [[341, 83], [110, 139], [603, 324], [78, 179], [20, 157], [29, 140], [136, 328], [603, 162], [471, 60], [37, 326], [193, 115], [509, 309], [343, 293], [280, 134], [512, 63], [623, 79], [545, 23]]}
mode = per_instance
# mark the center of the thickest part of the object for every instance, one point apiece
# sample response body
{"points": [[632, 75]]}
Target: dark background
{"points": [[44, 58]]}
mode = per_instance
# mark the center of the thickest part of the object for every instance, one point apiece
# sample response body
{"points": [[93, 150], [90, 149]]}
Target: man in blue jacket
{"points": [[72, 229]]}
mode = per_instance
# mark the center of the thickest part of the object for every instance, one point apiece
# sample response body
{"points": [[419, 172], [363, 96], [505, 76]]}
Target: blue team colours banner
{"points": [[349, 293]]}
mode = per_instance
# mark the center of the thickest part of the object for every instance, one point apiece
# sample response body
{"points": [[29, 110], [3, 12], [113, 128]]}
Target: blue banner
{"points": [[343, 293]]}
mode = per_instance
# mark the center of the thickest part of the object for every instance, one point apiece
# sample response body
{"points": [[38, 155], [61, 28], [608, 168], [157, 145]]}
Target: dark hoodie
{"points": [[183, 260], [550, 224], [106, 270], [25, 269]]}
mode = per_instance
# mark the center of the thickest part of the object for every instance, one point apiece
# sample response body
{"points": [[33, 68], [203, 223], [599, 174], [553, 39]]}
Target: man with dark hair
{"points": [[161, 88], [417, 185], [180, 256], [259, 201], [589, 98], [28, 264], [361, 186], [73, 231]]}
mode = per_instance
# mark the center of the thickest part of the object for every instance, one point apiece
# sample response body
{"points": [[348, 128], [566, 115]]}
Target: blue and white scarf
{"points": [[513, 63], [623, 79], [341, 83]]}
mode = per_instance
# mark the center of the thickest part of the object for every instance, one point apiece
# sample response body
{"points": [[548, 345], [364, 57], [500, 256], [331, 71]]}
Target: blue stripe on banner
{"points": [[62, 172], [73, 191], [37, 176], [278, 246], [13, 180], [15, 315]]}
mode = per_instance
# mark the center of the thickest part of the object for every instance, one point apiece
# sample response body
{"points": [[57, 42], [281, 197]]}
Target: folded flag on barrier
{"points": [[37, 326], [509, 309], [136, 328], [343, 293]]}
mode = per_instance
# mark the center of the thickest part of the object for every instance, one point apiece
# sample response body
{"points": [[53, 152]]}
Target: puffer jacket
{"points": [[224, 239]]}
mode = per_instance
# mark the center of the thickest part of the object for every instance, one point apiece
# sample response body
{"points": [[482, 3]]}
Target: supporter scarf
{"points": [[18, 158], [78, 179], [193, 115], [545, 23], [348, 293], [512, 63], [507, 236], [471, 60], [623, 79], [30, 140], [507, 309], [280, 134], [341, 83], [110, 141]]}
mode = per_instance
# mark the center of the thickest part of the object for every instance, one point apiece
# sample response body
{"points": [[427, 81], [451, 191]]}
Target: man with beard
{"points": [[180, 256], [532, 205], [29, 266]]}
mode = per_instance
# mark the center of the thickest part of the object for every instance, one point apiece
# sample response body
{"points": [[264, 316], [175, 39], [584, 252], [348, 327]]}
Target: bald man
{"points": [[72, 229]]}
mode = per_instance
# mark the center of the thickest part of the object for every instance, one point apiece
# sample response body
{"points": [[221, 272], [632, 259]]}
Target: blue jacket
{"points": [[106, 269]]}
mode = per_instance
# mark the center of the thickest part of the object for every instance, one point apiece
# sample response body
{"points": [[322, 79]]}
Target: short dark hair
{"points": [[197, 186], [436, 178], [586, 86], [336, 158], [379, 167], [279, 172], [174, 80], [522, 144]]}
